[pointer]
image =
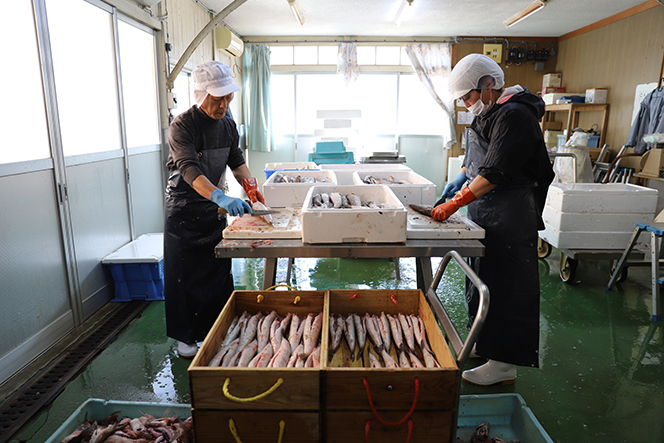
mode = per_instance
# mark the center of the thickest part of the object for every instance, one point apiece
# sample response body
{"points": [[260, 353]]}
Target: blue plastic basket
{"points": [[138, 281]]}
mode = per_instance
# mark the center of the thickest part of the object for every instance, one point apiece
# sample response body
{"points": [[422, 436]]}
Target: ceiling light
{"points": [[525, 12], [296, 11], [404, 10]]}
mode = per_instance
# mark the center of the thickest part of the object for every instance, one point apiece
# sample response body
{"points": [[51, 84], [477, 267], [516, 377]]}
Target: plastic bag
{"points": [[564, 166]]}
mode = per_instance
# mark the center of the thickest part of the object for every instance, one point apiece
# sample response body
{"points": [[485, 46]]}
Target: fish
{"points": [[335, 198], [216, 360], [481, 433], [307, 338], [403, 359], [276, 334], [373, 361], [336, 331], [415, 361], [360, 332], [354, 200], [429, 359], [414, 320], [265, 329], [388, 360], [247, 354], [422, 209], [295, 356], [372, 331], [82, 433], [407, 330], [397, 335], [295, 331], [258, 206], [325, 197], [250, 330], [280, 359], [233, 349], [349, 333], [101, 434], [316, 200], [385, 331], [233, 331], [264, 357], [316, 326]]}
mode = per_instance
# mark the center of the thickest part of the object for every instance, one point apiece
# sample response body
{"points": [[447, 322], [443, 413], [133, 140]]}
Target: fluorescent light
{"points": [[525, 12], [404, 9], [296, 11]]}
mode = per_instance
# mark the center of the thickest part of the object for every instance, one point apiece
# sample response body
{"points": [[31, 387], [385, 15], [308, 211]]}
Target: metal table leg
{"points": [[424, 273], [655, 245], [269, 272]]}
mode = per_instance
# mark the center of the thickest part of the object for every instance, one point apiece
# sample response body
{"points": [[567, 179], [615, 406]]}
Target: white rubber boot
{"points": [[490, 373], [187, 351]]}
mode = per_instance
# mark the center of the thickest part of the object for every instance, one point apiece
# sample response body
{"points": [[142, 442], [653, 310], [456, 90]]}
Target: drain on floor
{"points": [[44, 387]]}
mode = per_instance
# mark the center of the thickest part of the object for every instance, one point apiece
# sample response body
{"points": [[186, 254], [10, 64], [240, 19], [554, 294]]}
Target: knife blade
{"points": [[426, 210], [256, 212]]}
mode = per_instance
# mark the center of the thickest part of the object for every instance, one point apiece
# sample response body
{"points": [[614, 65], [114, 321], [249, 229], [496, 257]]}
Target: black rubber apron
{"points": [[509, 267], [196, 284]]}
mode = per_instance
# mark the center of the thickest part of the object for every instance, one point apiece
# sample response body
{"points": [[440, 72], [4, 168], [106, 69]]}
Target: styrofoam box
{"points": [[618, 198], [345, 172], [355, 225], [270, 168], [594, 221], [578, 240], [283, 195], [418, 190], [552, 97]]}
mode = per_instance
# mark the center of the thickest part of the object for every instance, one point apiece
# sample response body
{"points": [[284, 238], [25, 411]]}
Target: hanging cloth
{"points": [[433, 64], [347, 62], [649, 120], [256, 98]]}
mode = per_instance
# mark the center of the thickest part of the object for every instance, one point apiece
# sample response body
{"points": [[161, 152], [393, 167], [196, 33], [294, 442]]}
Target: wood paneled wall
{"points": [[619, 57], [524, 75], [185, 21]]}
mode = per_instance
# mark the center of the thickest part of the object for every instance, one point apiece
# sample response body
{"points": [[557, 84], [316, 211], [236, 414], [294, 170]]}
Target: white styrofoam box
{"points": [[580, 240], [594, 221], [354, 225], [282, 195], [552, 97], [270, 168], [148, 248], [345, 172], [620, 198], [418, 190]]}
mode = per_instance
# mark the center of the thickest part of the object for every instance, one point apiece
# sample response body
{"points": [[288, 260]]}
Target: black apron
{"points": [[509, 268], [196, 284]]}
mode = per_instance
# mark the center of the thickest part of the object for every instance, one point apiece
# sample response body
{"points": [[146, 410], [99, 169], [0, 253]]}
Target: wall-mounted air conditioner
{"points": [[147, 2], [228, 42]]}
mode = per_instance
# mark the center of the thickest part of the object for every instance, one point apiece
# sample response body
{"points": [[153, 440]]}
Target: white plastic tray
{"points": [[148, 248], [286, 225], [457, 226]]}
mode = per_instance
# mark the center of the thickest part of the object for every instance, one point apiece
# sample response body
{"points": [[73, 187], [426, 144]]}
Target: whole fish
{"points": [[261, 207], [285, 322], [360, 332], [423, 333], [373, 361], [316, 356], [264, 330], [247, 354], [385, 331], [387, 358], [307, 338], [296, 356], [314, 333], [415, 361], [233, 331], [372, 331], [335, 198], [325, 197], [354, 200], [349, 333], [280, 359], [101, 434], [264, 357], [295, 331], [336, 331], [232, 350], [407, 330], [403, 359], [250, 331], [276, 335], [429, 359], [82, 433], [216, 360], [397, 335]]}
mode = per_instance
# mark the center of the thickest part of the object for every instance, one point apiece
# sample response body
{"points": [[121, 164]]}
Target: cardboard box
{"points": [[596, 95], [552, 99], [555, 80], [554, 126], [551, 90]]}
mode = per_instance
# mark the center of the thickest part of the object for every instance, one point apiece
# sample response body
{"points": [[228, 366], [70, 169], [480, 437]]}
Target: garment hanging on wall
{"points": [[650, 120]]}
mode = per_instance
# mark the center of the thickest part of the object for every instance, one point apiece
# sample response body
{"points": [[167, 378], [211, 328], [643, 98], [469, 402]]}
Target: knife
{"points": [[426, 210], [256, 212]]}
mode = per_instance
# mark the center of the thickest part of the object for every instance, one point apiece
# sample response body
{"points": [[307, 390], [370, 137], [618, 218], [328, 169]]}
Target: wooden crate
{"points": [[392, 391]]}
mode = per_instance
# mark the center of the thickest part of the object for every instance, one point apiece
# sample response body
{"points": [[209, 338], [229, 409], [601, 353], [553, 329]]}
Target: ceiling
{"points": [[428, 18]]}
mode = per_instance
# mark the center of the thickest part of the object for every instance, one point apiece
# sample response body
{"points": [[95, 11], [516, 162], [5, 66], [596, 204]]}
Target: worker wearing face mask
{"points": [[508, 172], [203, 141]]}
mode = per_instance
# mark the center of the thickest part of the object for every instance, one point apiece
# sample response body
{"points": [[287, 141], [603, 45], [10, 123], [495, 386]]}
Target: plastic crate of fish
{"points": [[358, 378], [289, 189], [273, 394], [138, 269], [271, 168], [345, 173], [507, 415], [384, 221], [95, 409], [408, 186]]}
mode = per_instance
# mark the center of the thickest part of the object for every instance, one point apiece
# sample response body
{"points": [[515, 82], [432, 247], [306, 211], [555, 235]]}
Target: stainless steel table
{"points": [[422, 250]]}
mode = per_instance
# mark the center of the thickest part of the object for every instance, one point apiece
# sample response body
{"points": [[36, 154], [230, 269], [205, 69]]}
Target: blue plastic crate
{"points": [[95, 409], [335, 158], [138, 281]]}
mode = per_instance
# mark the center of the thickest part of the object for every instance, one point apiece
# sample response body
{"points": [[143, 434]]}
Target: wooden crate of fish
{"points": [[399, 380], [409, 187], [353, 214], [289, 189], [245, 365]]}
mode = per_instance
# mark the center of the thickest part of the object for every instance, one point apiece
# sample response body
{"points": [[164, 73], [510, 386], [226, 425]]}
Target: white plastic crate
{"points": [[418, 190], [270, 168], [282, 195], [594, 221], [355, 225], [610, 197]]}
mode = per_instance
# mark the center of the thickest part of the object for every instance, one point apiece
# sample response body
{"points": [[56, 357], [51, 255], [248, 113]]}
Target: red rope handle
{"points": [[373, 408], [367, 426]]}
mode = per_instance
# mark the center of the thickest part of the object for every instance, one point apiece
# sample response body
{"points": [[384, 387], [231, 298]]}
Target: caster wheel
{"points": [[543, 249], [568, 269]]}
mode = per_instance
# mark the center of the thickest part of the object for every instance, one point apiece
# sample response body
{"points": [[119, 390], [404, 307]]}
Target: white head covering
{"points": [[468, 72], [212, 78]]}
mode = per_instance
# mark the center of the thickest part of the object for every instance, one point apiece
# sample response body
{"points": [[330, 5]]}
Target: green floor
{"points": [[600, 379]]}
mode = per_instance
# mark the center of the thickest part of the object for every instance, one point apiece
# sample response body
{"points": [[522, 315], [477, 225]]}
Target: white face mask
{"points": [[479, 107]]}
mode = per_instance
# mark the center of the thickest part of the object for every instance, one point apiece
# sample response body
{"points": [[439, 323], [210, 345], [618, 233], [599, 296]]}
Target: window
{"points": [[85, 75], [23, 116], [182, 93]]}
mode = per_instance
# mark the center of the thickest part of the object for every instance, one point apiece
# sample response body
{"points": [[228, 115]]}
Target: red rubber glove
{"points": [[462, 198], [250, 186]]}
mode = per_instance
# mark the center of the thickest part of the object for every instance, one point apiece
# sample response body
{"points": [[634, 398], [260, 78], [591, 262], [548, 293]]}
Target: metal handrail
{"points": [[462, 349]]}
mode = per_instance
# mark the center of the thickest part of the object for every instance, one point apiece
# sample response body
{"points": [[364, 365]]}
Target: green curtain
{"points": [[256, 98]]}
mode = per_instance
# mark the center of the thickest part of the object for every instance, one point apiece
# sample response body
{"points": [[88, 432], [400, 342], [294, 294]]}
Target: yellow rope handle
{"points": [[236, 436], [247, 400], [281, 284]]}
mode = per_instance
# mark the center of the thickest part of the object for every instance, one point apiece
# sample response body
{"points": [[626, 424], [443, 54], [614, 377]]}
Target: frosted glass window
{"points": [[281, 55], [327, 55], [306, 55], [282, 97], [319, 92], [182, 93], [23, 116], [139, 85], [366, 55], [376, 95], [85, 76], [387, 55], [418, 111]]}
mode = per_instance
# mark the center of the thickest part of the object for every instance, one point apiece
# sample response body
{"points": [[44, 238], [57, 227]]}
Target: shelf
{"points": [[573, 110]]}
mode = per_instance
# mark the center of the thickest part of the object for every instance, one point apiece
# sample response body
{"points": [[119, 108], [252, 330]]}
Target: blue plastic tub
{"points": [[507, 414], [98, 409]]}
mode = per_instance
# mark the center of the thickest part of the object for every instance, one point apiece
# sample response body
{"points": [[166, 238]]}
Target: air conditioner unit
{"points": [[229, 42], [147, 2]]}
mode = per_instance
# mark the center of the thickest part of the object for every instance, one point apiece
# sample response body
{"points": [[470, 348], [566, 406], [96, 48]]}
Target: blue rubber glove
{"points": [[234, 206], [452, 187]]}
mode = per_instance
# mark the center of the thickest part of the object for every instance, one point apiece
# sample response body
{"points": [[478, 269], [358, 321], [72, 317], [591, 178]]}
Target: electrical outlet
{"points": [[494, 51]]}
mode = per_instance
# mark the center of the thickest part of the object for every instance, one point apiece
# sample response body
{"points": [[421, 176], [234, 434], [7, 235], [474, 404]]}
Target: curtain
{"points": [[347, 62], [257, 111], [433, 64]]}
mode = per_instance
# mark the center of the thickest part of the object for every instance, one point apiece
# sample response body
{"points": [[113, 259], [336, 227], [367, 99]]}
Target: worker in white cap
{"points": [[508, 171], [203, 141]]}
